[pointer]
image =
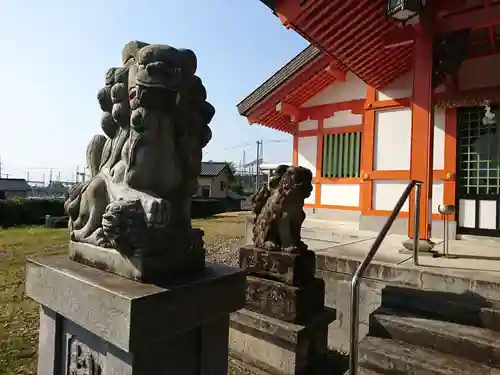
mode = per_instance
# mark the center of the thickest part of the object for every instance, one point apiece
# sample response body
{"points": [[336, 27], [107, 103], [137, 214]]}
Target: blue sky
{"points": [[55, 55]]}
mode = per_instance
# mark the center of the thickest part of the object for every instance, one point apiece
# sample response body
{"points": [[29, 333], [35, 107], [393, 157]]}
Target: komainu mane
{"points": [[145, 168], [278, 211]]}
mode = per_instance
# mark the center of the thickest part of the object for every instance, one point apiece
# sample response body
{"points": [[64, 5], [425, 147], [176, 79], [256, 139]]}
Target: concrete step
{"points": [[466, 309], [473, 343], [395, 357]]}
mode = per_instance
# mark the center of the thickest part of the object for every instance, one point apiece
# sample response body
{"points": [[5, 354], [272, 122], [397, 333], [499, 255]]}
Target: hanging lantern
{"points": [[404, 10]]}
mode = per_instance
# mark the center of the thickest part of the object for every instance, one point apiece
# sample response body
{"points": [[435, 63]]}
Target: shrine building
{"points": [[390, 91]]}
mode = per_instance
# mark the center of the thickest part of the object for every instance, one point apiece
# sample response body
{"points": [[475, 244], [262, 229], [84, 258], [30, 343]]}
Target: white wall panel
{"points": [[387, 193], [353, 88], [312, 197], [343, 118], [307, 153], [480, 72], [340, 194], [392, 139], [399, 88], [439, 135], [308, 125]]}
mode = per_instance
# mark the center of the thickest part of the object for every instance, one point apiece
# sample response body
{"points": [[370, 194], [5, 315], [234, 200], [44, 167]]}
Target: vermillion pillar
{"points": [[422, 135]]}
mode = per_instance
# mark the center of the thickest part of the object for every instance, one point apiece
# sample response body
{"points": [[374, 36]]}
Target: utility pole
{"points": [[257, 165], [59, 176], [50, 177], [77, 173], [0, 167], [244, 163]]}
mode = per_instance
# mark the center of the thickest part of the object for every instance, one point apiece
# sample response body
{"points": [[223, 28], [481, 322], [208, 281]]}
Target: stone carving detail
{"points": [[278, 211], [83, 360], [145, 168]]}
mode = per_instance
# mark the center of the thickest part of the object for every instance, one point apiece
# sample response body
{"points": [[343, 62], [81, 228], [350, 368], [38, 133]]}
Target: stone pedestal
{"points": [[284, 326], [93, 322]]}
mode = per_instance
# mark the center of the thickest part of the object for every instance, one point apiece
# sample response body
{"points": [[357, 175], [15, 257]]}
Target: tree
{"points": [[235, 184]]}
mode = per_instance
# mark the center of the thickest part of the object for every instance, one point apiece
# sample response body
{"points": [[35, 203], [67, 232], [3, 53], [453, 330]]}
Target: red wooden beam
{"points": [[399, 37], [339, 75], [287, 11], [422, 132], [451, 84], [450, 5], [475, 19], [289, 110]]}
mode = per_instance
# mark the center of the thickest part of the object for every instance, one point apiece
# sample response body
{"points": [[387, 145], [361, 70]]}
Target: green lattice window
{"points": [[478, 152], [341, 155]]}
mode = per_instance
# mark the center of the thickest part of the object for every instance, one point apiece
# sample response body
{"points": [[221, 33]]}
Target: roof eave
{"points": [[278, 79]]}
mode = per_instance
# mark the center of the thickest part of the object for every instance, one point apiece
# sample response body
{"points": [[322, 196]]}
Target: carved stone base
{"points": [[292, 269], [295, 304], [153, 269], [264, 345], [95, 323]]}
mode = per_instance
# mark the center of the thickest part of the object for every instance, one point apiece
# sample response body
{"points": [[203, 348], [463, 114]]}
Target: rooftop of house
{"points": [[14, 184], [213, 168]]}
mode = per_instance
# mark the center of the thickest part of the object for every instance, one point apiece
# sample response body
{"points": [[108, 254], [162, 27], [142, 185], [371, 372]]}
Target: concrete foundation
{"points": [[277, 347], [94, 322]]}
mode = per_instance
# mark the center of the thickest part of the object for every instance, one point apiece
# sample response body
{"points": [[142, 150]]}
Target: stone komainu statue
{"points": [[145, 168], [278, 211]]}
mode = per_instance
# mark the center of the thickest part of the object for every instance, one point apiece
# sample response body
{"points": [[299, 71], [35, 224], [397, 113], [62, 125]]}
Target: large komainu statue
{"points": [[278, 211], [145, 168]]}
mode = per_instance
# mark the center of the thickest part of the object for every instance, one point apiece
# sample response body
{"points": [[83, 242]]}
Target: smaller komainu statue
{"points": [[278, 210]]}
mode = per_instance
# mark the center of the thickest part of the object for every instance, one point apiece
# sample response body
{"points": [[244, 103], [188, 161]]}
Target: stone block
{"points": [[292, 269], [101, 323], [290, 303], [272, 346], [149, 269]]}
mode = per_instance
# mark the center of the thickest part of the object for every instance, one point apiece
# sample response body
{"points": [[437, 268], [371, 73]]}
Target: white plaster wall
{"points": [[308, 125], [479, 72], [437, 195], [343, 118], [387, 193], [392, 139], [399, 88], [307, 153], [312, 197], [353, 88], [340, 194], [439, 135]]}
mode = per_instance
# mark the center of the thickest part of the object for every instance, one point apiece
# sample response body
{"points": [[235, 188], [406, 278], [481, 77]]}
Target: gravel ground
{"points": [[223, 249]]}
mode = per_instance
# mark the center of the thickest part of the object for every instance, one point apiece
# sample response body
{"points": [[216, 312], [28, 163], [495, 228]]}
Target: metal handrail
{"points": [[356, 279]]}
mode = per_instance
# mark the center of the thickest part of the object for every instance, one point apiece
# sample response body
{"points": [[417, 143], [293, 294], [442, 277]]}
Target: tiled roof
{"points": [[279, 78], [212, 168], [14, 184]]}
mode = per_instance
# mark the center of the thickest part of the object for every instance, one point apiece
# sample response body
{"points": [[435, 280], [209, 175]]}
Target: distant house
{"points": [[13, 188], [214, 180]]}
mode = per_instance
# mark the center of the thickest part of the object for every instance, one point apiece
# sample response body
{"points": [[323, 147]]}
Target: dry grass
{"points": [[19, 315]]}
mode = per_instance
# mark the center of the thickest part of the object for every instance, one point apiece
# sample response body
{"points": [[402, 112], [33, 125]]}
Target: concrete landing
{"points": [[467, 256]]}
